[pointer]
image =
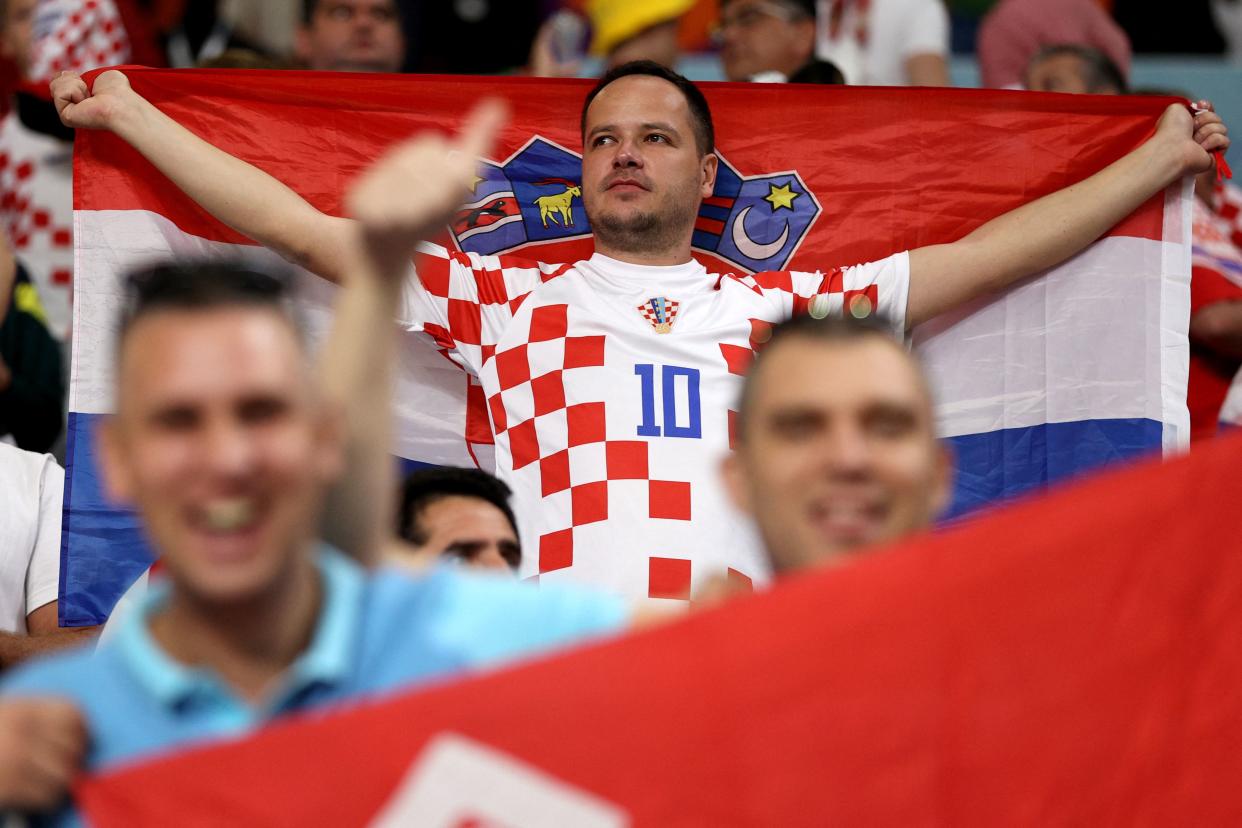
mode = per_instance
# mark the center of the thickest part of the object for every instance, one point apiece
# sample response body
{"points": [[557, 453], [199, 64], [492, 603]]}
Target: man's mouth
{"points": [[627, 184], [847, 520], [227, 515]]}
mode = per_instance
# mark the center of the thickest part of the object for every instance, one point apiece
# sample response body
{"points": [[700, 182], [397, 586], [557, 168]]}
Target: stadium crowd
{"points": [[294, 570]]}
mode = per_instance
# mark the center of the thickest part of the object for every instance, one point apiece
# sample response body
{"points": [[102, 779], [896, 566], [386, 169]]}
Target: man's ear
{"points": [[734, 474], [709, 165], [113, 462]]}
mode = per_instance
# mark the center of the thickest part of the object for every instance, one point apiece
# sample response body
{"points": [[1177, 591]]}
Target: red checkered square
{"points": [[433, 273], [465, 321], [512, 367], [586, 423], [478, 424], [669, 499], [668, 578], [556, 550], [584, 351], [775, 280], [737, 358], [554, 472], [496, 406], [517, 301], [590, 502], [523, 444], [488, 351], [549, 393], [491, 286], [760, 333], [855, 304], [549, 322], [627, 460]]}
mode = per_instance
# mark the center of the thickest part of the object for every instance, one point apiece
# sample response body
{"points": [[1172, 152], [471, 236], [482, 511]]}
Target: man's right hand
{"points": [[412, 192], [81, 107], [42, 745]]}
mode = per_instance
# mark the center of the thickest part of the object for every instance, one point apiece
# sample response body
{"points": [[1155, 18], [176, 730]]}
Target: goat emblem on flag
{"points": [[661, 312], [535, 195]]}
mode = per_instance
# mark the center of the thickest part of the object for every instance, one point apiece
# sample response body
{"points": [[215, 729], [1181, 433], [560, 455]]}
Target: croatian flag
{"points": [[1082, 366]]}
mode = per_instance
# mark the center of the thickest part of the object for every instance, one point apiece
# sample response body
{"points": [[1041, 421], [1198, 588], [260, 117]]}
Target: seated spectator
{"points": [[885, 42], [32, 385], [1079, 70], [627, 30], [31, 489], [827, 469], [351, 36], [461, 514], [1014, 31], [772, 40], [226, 447]]}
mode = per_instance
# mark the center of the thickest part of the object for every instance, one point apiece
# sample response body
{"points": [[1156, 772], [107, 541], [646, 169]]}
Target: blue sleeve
{"points": [[495, 619]]}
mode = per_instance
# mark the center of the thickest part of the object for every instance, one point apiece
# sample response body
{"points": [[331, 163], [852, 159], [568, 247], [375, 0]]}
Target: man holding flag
{"points": [[609, 382]]}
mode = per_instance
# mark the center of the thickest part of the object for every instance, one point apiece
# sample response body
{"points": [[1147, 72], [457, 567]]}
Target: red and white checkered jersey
{"points": [[611, 391]]}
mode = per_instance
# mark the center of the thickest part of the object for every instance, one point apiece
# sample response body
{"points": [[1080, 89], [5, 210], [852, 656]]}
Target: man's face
{"points": [[471, 529], [764, 36], [220, 443], [353, 36], [642, 175], [17, 39], [1062, 73], [837, 450]]}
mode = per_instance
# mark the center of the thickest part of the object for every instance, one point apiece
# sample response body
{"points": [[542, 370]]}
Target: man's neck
{"points": [[643, 256], [249, 644]]}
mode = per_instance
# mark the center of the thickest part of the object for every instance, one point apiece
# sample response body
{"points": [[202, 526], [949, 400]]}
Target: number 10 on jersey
{"points": [[679, 398]]}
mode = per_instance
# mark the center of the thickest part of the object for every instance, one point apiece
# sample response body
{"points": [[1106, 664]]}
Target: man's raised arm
{"points": [[1050, 230], [357, 363], [238, 194]]}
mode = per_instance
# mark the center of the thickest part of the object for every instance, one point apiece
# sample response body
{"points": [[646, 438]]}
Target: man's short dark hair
{"points": [[1101, 72], [426, 486], [205, 285], [309, 6], [700, 112], [840, 330]]}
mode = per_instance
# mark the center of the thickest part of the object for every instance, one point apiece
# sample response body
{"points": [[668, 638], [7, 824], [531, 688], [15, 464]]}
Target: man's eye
{"points": [[601, 140], [658, 138]]}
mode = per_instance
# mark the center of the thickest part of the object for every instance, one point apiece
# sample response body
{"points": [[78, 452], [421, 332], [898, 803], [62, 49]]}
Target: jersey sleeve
{"points": [[881, 287], [465, 301], [43, 574]]}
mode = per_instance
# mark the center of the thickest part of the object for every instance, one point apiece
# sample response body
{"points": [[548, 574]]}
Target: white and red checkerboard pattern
{"points": [[76, 35], [555, 349]]}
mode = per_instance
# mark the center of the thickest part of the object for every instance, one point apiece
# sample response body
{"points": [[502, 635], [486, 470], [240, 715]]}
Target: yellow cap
{"points": [[616, 21]]}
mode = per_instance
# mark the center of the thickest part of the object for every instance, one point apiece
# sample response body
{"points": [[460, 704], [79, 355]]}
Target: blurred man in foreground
{"points": [[827, 467], [226, 446], [462, 515]]}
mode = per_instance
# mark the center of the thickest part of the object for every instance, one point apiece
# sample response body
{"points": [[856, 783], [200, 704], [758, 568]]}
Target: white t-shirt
{"points": [[31, 498], [610, 390], [871, 40]]}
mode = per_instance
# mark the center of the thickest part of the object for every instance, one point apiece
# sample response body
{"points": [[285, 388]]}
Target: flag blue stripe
{"points": [[996, 465]]}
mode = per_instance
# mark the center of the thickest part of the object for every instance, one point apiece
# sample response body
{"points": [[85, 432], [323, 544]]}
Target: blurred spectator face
{"points": [[642, 169], [657, 43], [837, 450], [1074, 74], [219, 441], [17, 39], [764, 36], [469, 529], [353, 36]]}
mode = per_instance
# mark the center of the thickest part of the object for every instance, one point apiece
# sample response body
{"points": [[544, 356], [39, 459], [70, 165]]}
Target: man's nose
{"points": [[627, 155], [229, 451], [845, 449]]}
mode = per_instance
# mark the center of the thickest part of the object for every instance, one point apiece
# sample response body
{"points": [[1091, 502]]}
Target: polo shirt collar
{"points": [[326, 661]]}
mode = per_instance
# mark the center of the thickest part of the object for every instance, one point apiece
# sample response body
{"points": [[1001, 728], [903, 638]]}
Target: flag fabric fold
{"points": [[1082, 366]]}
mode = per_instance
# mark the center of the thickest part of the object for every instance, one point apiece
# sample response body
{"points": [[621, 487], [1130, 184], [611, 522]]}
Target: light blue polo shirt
{"points": [[376, 632]]}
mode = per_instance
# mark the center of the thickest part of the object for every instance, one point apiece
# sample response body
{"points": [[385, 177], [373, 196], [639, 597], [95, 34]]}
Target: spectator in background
{"points": [[462, 514], [885, 42], [351, 36], [1079, 70], [31, 490], [1014, 31], [32, 386], [627, 30], [772, 40]]}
